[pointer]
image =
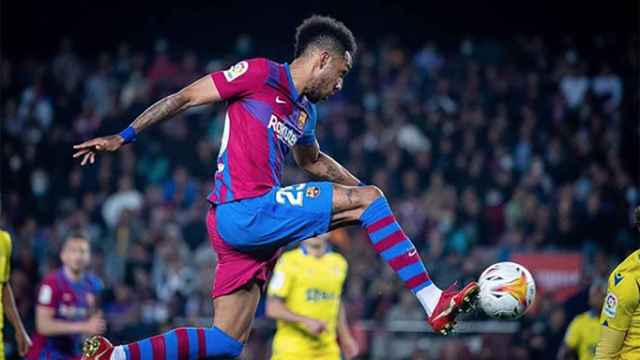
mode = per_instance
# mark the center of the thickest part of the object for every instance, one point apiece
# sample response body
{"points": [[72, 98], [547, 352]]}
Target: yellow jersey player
{"points": [[584, 331], [7, 301], [304, 298], [620, 317]]}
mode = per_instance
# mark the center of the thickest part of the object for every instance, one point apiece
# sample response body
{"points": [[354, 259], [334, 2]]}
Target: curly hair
{"points": [[324, 32]]}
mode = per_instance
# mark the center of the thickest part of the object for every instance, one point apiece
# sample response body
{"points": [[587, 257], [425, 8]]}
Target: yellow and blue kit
{"points": [[312, 287]]}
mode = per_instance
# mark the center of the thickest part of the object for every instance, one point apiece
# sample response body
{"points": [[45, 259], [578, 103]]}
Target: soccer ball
{"points": [[507, 290]]}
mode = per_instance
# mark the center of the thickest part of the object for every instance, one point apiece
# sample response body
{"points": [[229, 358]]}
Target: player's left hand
{"points": [[90, 148], [24, 342], [350, 348]]}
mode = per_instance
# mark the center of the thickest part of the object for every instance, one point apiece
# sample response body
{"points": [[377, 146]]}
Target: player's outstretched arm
{"points": [[320, 165], [202, 91]]}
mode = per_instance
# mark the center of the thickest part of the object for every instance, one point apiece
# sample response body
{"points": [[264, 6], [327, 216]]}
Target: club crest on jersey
{"points": [[236, 70], [302, 119], [282, 131], [312, 192]]}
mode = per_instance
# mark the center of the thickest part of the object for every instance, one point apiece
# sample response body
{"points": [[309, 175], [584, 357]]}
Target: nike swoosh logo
{"points": [[412, 252], [280, 101]]}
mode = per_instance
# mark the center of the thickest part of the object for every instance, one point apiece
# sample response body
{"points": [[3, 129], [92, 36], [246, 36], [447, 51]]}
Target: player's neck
{"points": [[72, 275], [317, 253], [299, 74]]}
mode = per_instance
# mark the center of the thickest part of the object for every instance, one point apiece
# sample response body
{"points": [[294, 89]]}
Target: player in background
{"points": [[305, 298], [7, 302], [271, 112], [620, 317], [66, 308], [583, 332]]}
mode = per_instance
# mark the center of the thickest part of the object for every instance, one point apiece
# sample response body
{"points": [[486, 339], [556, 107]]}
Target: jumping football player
{"points": [[66, 308], [270, 112]]}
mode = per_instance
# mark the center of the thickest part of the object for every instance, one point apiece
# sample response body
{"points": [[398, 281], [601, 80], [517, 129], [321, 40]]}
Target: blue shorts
{"points": [[283, 216]]}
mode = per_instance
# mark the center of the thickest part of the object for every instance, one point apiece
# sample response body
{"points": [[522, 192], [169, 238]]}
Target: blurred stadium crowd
{"points": [[483, 147]]}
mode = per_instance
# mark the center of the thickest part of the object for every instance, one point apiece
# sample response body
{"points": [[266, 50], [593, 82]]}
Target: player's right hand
{"points": [[315, 327], [90, 148], [96, 325]]}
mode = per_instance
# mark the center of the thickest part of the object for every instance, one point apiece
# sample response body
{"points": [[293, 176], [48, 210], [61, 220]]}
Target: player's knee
{"points": [[369, 194]]}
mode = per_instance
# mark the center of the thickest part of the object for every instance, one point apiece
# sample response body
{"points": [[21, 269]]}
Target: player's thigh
{"points": [[234, 313], [282, 216]]}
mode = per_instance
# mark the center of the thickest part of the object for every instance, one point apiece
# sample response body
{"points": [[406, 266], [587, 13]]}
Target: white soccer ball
{"points": [[507, 290]]}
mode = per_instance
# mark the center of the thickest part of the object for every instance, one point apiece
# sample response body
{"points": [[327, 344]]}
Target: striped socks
{"points": [[393, 245], [181, 343]]}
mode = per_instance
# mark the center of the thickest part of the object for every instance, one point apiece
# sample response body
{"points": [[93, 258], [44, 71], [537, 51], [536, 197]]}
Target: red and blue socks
{"points": [[182, 343], [393, 245]]}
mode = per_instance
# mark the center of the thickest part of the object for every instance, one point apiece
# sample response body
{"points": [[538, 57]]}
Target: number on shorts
{"points": [[291, 194]]}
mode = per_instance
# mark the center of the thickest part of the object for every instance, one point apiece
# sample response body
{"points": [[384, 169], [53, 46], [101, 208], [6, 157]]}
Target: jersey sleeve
{"points": [[283, 278], [309, 133], [48, 293], [572, 337], [241, 79], [621, 301]]}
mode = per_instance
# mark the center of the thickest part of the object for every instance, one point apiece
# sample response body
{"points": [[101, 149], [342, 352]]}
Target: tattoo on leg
{"points": [[350, 196]]}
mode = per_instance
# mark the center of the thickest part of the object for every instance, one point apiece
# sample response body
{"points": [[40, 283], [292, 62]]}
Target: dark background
{"points": [[33, 28]]}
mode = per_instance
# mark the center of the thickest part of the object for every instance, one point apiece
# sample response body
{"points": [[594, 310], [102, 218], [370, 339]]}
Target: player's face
{"points": [[318, 242], [75, 254], [328, 75]]}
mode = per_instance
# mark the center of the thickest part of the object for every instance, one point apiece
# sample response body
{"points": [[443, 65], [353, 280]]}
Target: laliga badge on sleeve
{"points": [[610, 305], [236, 70], [277, 281], [45, 295]]}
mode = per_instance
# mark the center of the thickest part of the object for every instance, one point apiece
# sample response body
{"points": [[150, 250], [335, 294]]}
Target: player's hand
{"points": [[96, 325], [90, 148], [24, 343], [315, 327], [350, 348]]}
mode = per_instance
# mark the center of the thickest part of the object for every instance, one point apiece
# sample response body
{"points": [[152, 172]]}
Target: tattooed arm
{"points": [[320, 165], [202, 91]]}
